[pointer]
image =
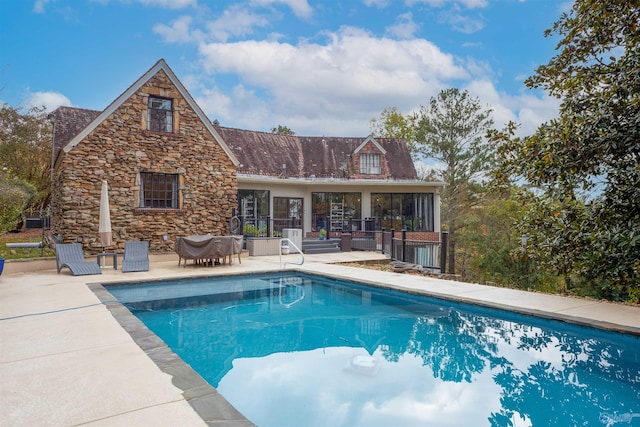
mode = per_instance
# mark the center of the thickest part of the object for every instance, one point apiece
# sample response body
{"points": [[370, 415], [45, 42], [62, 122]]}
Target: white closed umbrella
{"points": [[104, 228]]}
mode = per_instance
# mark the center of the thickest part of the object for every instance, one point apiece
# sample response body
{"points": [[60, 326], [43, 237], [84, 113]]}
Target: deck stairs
{"points": [[317, 246]]}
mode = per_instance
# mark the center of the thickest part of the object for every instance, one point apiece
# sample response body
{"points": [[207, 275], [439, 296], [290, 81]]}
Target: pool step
{"points": [[317, 246]]}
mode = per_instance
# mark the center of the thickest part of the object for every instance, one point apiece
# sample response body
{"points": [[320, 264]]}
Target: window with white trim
{"points": [[160, 114], [158, 190], [370, 163]]}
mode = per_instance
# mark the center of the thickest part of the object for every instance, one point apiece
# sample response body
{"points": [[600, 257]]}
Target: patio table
{"points": [[208, 247]]}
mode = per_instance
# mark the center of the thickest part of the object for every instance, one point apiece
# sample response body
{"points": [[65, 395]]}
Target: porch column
{"points": [[436, 211], [366, 204], [306, 214]]}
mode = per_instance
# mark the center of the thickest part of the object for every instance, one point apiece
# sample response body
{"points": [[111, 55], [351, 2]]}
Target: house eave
{"points": [[261, 179]]}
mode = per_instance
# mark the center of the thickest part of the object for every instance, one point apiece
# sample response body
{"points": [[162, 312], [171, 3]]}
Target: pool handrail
{"points": [[289, 243], [298, 287]]}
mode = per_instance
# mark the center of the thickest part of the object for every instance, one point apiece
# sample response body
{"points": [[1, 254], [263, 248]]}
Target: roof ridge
{"points": [[255, 131], [69, 107], [377, 138]]}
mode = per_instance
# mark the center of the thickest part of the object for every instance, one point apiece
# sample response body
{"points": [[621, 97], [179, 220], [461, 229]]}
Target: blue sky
{"points": [[318, 67]]}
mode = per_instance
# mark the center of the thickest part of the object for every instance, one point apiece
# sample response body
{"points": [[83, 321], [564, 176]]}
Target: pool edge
{"points": [[546, 314], [205, 400], [212, 407]]}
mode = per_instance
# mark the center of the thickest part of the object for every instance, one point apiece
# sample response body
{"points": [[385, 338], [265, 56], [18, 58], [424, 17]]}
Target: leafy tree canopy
{"points": [[14, 198], [25, 150], [451, 130], [282, 130], [392, 124], [585, 222]]}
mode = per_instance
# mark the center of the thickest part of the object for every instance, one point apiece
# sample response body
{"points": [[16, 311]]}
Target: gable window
{"points": [[370, 163], [159, 190], [160, 114]]}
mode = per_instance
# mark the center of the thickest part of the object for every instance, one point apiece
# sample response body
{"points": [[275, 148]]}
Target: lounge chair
{"points": [[70, 255], [136, 257]]}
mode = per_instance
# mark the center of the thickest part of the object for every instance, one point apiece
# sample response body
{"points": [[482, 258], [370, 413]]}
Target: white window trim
{"points": [[168, 125], [370, 163]]}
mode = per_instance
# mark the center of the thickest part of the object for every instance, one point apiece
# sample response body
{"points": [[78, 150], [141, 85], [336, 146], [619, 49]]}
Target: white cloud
{"points": [[380, 4], [300, 8], [39, 6], [471, 4], [477, 67], [169, 4], [177, 32], [471, 44], [334, 87], [216, 102], [533, 111], [489, 97], [402, 392], [404, 27], [236, 21], [528, 110], [460, 22], [348, 80], [455, 13], [50, 100]]}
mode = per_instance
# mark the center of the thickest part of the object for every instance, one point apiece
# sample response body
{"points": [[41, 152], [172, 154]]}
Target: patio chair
{"points": [[70, 255], [136, 257]]}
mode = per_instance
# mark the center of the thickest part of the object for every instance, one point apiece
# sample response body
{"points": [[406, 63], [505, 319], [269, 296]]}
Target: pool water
{"points": [[292, 349]]}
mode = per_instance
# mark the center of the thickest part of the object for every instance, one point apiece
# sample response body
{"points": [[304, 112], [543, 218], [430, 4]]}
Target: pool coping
{"points": [[205, 400], [545, 314], [215, 410]]}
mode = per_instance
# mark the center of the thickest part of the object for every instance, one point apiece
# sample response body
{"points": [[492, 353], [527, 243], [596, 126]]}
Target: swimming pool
{"points": [[293, 349]]}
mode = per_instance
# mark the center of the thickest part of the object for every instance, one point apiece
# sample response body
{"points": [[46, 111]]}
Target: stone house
{"points": [[169, 172], [172, 172]]}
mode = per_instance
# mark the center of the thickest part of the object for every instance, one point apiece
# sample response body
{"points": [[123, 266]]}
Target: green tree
{"points": [[282, 130], [451, 130], [14, 198], [585, 223], [25, 150], [392, 124], [496, 248]]}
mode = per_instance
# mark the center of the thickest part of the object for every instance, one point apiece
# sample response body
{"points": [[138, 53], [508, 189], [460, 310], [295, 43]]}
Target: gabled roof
{"points": [[161, 65], [366, 141], [275, 155], [255, 153]]}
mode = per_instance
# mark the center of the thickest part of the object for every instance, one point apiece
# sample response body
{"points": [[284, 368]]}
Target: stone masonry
{"points": [[121, 147]]}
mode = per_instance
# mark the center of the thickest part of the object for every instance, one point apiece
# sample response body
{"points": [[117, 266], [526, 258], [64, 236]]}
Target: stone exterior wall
{"points": [[117, 151]]}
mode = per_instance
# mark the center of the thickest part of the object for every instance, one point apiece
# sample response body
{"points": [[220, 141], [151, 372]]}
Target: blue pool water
{"points": [[302, 350]]}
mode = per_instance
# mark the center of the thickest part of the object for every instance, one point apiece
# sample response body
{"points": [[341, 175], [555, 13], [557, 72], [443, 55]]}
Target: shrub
{"points": [[13, 201]]}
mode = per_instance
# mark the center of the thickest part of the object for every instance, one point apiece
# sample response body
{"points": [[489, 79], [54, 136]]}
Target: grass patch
{"points": [[24, 236]]}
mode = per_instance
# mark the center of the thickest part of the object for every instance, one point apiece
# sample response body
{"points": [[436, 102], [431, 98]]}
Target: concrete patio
{"points": [[65, 359]]}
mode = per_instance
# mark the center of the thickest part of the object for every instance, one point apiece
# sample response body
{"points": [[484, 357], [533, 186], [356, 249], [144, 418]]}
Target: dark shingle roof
{"points": [[67, 123], [262, 153]]}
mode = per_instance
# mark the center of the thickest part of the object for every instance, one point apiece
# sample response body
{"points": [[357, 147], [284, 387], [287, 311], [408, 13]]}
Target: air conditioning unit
{"points": [[295, 235]]}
